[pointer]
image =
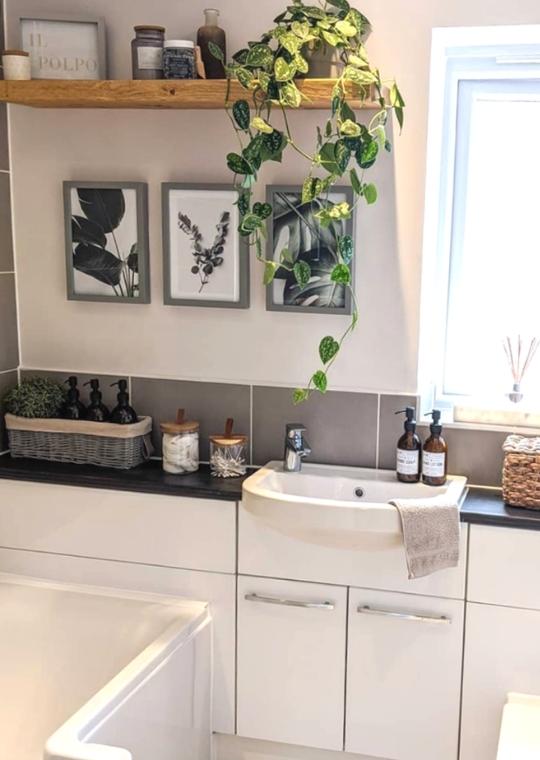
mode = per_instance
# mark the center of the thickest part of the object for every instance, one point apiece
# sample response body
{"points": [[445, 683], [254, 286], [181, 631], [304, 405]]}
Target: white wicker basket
{"points": [[81, 442]]}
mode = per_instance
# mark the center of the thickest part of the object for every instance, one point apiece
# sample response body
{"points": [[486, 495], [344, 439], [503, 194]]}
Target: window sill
{"points": [[480, 416]]}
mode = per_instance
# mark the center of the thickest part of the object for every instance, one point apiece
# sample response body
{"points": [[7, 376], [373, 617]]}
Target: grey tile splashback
{"points": [[209, 403], [109, 394], [477, 454], [6, 242], [391, 427], [341, 427], [9, 343], [7, 381]]}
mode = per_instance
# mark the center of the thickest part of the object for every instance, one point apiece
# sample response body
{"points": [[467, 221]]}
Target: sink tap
{"points": [[296, 447]]}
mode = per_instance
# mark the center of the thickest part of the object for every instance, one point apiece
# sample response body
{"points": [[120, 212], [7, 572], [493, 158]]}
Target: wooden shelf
{"points": [[177, 94]]}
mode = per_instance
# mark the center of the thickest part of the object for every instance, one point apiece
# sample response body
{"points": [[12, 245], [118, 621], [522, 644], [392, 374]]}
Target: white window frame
{"points": [[458, 54]]}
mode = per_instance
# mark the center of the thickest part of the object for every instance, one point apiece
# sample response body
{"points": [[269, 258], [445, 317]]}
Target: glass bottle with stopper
{"points": [[228, 453], [180, 445], [123, 413], [208, 35]]}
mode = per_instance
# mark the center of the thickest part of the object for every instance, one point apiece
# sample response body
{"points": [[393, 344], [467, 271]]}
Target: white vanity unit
{"points": [[319, 647]]}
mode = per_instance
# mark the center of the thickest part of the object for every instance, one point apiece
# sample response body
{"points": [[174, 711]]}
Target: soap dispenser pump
{"points": [[97, 411], [73, 408], [123, 413], [435, 453], [409, 450]]}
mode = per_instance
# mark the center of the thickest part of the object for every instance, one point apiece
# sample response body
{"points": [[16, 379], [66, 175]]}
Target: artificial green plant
{"points": [[267, 70]]}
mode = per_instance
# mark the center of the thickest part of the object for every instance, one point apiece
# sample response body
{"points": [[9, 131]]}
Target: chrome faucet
{"points": [[296, 447]]}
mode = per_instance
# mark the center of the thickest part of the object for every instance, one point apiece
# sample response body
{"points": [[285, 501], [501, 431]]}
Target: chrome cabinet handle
{"points": [[366, 610], [289, 602]]}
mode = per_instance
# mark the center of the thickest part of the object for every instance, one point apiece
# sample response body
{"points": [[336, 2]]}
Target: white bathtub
{"points": [[97, 674]]}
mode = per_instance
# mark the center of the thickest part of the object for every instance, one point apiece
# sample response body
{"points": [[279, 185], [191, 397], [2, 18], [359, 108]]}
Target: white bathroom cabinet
{"points": [[291, 662], [403, 675]]}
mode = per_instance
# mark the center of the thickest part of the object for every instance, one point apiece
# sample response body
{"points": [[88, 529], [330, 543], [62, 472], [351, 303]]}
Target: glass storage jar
{"points": [[147, 52], [179, 59], [228, 453], [180, 445]]}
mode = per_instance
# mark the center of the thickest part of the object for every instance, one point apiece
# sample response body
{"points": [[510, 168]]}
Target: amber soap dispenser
{"points": [[409, 450], [435, 453]]}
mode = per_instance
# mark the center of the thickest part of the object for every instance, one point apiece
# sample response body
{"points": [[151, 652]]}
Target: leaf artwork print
{"points": [[206, 259]]}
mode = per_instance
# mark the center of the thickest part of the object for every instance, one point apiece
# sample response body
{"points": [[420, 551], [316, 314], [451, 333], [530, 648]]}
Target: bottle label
{"points": [[434, 464], [408, 462], [150, 58]]}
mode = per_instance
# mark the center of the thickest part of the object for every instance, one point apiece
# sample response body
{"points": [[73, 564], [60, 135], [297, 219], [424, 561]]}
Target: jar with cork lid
{"points": [[180, 445], [228, 453]]}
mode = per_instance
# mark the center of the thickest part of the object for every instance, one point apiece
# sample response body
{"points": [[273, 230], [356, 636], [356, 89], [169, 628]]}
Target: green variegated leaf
{"points": [[320, 381], [282, 70], [342, 274], [346, 28], [346, 249], [238, 164], [343, 155], [240, 111], [301, 64], [300, 395], [343, 5], [310, 189], [270, 269], [260, 56], [370, 193], [359, 76], [264, 210], [355, 182], [301, 29], [216, 51], [368, 154], [289, 95], [302, 272], [261, 125], [331, 38], [350, 128], [286, 257], [251, 222], [244, 76], [328, 348]]}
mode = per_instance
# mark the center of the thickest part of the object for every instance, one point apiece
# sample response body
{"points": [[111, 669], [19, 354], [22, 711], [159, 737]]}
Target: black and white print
{"points": [[107, 246], [295, 227]]}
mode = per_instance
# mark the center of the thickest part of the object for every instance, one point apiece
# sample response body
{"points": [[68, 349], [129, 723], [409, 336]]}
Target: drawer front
{"points": [[403, 675], [265, 552], [291, 662], [504, 566], [158, 530]]}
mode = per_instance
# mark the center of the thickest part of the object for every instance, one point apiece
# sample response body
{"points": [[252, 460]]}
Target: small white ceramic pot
{"points": [[16, 65]]}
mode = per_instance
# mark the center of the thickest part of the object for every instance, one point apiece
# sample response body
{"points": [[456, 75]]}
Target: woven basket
{"points": [[521, 472], [102, 444]]}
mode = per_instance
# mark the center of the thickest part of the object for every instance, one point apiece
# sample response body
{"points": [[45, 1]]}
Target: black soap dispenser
{"points": [[435, 454], [73, 408], [123, 413], [97, 411], [409, 450]]}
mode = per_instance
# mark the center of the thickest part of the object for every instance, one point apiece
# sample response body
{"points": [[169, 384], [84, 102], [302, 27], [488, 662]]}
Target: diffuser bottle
{"points": [[435, 453], [409, 450]]}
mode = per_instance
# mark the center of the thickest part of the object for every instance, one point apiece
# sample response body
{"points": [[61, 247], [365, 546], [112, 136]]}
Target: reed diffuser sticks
{"points": [[519, 354]]}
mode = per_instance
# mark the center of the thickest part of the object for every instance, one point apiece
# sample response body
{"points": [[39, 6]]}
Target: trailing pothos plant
{"points": [[267, 70]]}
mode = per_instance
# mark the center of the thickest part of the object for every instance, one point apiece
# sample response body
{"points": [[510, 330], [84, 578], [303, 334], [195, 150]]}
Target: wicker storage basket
{"points": [[521, 472], [103, 444]]}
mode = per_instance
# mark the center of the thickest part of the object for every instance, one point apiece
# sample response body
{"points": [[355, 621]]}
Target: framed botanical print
{"points": [[206, 260], [63, 46], [294, 226], [107, 241]]}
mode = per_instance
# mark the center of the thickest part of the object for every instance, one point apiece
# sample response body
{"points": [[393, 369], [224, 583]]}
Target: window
{"points": [[482, 209]]}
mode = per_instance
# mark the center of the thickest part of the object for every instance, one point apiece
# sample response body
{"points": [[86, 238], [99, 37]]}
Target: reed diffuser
{"points": [[519, 354]]}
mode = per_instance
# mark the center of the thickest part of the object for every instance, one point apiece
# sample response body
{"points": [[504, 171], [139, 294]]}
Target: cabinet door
{"points": [[501, 655], [291, 662], [403, 676]]}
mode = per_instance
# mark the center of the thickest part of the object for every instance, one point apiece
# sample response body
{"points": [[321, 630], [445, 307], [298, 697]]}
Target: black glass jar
{"points": [[179, 59], [147, 52]]}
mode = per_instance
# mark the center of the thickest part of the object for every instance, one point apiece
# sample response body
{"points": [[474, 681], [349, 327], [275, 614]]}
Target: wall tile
{"points": [[391, 427], [477, 454], [209, 403], [109, 394], [9, 347], [7, 381], [4, 145], [6, 241], [341, 427]]}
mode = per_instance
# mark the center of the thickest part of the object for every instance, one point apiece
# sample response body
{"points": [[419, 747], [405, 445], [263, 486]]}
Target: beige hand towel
{"points": [[430, 534]]}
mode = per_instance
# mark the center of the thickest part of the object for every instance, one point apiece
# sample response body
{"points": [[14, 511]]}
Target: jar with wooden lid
{"points": [[228, 453], [147, 52], [180, 445]]}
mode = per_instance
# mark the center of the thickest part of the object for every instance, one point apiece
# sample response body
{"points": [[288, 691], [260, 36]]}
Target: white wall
{"points": [[255, 345]]}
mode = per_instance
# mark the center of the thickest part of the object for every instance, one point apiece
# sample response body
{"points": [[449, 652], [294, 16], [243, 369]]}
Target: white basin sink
{"points": [[342, 507]]}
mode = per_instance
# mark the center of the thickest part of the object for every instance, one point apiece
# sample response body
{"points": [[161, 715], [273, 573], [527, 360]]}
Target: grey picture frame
{"points": [[67, 18], [143, 243], [350, 229], [243, 252]]}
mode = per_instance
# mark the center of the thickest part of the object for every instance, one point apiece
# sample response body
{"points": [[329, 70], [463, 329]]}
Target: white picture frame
{"points": [[64, 46]]}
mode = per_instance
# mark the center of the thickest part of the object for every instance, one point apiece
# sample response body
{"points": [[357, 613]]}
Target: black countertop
{"points": [[482, 506]]}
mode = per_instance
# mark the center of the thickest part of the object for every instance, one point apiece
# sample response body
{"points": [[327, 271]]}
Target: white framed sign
{"points": [[67, 47]]}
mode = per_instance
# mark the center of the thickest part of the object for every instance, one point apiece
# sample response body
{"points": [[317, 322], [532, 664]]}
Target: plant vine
{"points": [[267, 70]]}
